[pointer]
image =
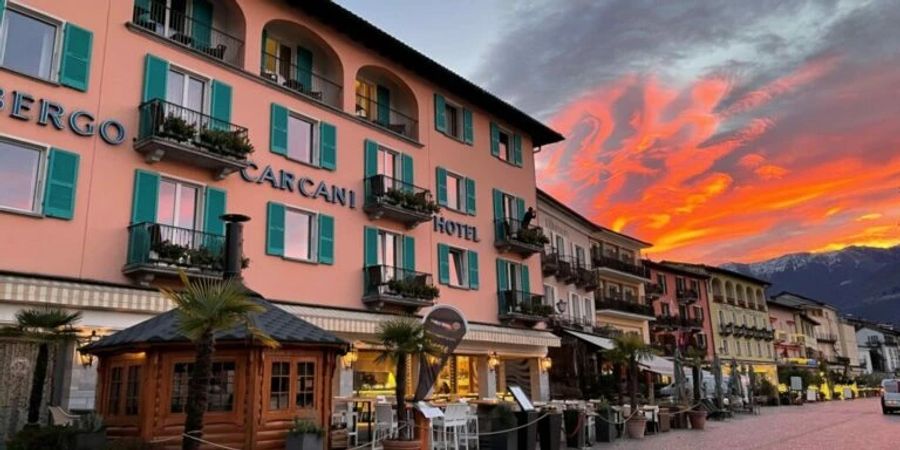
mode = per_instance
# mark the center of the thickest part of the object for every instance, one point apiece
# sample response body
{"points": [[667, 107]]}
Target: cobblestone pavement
{"points": [[856, 424]]}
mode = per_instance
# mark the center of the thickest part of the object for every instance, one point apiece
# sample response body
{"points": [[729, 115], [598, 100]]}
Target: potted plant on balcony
{"points": [[168, 252], [413, 201], [401, 339], [304, 435], [413, 287], [178, 129], [532, 236], [630, 349]]}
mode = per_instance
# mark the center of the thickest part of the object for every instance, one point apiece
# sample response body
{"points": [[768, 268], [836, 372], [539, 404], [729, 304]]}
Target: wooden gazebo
{"points": [[255, 394]]}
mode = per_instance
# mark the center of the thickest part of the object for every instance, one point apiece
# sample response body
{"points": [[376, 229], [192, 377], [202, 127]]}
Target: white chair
{"points": [[61, 417], [385, 422], [453, 424], [472, 426], [345, 415]]}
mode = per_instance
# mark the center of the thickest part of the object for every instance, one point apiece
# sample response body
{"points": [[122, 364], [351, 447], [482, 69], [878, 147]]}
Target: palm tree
{"points": [[402, 338], [45, 326], [696, 358], [631, 349], [205, 307]]}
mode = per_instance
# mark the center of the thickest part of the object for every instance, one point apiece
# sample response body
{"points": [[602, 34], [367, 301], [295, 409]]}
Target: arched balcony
{"points": [[751, 298], [729, 292], [385, 100], [760, 299], [717, 294], [216, 29], [297, 58]]}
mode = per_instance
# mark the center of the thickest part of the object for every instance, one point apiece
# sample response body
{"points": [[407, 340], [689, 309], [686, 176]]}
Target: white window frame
{"points": [[459, 120], [559, 244], [188, 14], [510, 209], [313, 233], [575, 305], [188, 74], [398, 250], [510, 137], [55, 58], [464, 271], [315, 149], [550, 294], [198, 207], [41, 178], [461, 192]]}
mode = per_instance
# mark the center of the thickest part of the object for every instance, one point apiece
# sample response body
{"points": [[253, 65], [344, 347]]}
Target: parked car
{"points": [[890, 395]]}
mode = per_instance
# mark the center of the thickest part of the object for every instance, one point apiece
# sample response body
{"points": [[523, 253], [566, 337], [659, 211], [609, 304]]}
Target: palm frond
{"points": [[401, 337], [46, 324]]}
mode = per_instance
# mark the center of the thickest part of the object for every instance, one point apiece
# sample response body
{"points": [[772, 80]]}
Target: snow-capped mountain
{"points": [[863, 281]]}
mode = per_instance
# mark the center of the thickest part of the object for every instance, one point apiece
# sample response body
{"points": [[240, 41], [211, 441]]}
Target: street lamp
{"points": [[546, 363], [561, 306], [493, 360], [87, 359]]}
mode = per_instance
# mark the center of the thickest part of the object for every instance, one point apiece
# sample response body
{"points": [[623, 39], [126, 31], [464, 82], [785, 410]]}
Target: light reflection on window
{"points": [[19, 169]]}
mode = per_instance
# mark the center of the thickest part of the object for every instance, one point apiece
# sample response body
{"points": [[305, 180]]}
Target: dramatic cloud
{"points": [[719, 131]]}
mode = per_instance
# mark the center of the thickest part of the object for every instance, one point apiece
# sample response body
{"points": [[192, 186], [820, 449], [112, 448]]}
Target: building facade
{"points": [[130, 127], [878, 347], [829, 345], [620, 299], [681, 305], [795, 336]]}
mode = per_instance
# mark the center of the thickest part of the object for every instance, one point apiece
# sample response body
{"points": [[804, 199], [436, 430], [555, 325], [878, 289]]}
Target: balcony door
{"points": [[560, 245], [387, 164], [187, 96], [389, 253], [179, 207]]}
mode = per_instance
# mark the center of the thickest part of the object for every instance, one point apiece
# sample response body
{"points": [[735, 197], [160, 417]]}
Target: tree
{"points": [[44, 326], [631, 349], [402, 338], [696, 358], [205, 307]]}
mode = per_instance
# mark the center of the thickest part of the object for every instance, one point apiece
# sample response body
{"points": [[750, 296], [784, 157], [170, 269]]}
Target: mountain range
{"points": [[862, 281]]}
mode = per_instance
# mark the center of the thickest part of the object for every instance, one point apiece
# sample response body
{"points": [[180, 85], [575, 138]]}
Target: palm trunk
{"points": [[697, 373], [400, 390], [198, 391], [632, 383], [37, 383]]}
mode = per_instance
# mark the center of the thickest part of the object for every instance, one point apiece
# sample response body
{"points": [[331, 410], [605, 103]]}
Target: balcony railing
{"points": [[672, 321], [718, 298], [586, 278], [523, 307], [726, 329], [623, 304], [388, 286], [170, 131], [302, 80], [386, 117], [603, 261], [730, 300], [510, 235], [687, 296], [394, 199], [826, 337], [185, 30], [157, 249], [559, 266], [653, 290]]}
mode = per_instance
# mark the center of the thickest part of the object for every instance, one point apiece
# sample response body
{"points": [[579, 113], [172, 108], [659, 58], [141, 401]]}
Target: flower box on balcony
{"points": [[397, 288]]}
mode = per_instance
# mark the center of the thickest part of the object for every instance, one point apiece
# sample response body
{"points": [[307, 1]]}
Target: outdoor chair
{"points": [[385, 422], [345, 416], [61, 417], [454, 424]]}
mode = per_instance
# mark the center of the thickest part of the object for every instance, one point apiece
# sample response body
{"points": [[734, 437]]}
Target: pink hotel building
{"points": [[128, 127]]}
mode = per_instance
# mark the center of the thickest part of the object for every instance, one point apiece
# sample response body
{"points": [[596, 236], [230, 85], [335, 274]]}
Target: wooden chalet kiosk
{"points": [[255, 391]]}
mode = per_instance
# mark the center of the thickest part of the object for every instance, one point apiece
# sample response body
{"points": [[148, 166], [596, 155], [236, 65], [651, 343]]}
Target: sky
{"points": [[717, 130]]}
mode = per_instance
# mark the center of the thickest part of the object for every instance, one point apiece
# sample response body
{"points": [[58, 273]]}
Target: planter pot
{"points": [[391, 444], [527, 435], [678, 421], [89, 441], [606, 427], [575, 421], [550, 431], [698, 419], [665, 421], [636, 427], [304, 442]]}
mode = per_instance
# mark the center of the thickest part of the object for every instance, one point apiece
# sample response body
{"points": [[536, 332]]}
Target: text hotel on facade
{"points": [[123, 138]]}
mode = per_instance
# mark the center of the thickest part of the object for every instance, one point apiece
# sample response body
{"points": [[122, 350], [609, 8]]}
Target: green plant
{"points": [[533, 236], [52, 437], [415, 201], [169, 251], [90, 423], [205, 307], [226, 143], [206, 258], [413, 288], [630, 349], [177, 128], [302, 426]]}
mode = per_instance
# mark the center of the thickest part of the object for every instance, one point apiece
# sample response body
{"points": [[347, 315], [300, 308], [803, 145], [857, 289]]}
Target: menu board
{"points": [[520, 397]]}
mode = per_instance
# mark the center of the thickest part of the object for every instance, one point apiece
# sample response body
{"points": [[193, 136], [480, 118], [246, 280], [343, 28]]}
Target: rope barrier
{"points": [[188, 435]]}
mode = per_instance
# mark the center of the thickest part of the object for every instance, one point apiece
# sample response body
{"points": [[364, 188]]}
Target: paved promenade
{"points": [[856, 424]]}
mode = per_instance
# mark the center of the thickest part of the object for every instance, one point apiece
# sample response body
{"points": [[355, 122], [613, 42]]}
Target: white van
{"points": [[890, 395]]}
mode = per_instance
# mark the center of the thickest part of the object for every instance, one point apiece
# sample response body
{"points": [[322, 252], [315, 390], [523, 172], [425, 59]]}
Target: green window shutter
{"points": [[495, 140], [517, 150], [201, 26], [384, 105], [275, 229], [441, 186], [440, 113], [62, 181], [502, 275], [498, 204], [473, 269], [470, 196], [262, 51], [406, 171], [304, 68], [327, 146], [278, 132], [526, 280], [326, 239], [146, 196], [75, 63], [468, 131], [220, 105], [156, 75], [370, 246], [443, 264], [214, 203], [2, 9], [409, 253], [520, 209], [371, 158]]}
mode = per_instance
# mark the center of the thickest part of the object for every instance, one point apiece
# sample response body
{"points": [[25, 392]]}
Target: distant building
{"points": [[681, 305], [795, 337], [878, 347], [827, 330]]}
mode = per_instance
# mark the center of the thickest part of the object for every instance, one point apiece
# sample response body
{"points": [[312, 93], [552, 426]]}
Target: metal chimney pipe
{"points": [[234, 243]]}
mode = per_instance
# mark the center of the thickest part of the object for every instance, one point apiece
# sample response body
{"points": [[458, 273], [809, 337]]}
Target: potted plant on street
{"points": [[502, 417], [695, 359], [606, 422], [630, 349], [401, 339], [304, 435]]}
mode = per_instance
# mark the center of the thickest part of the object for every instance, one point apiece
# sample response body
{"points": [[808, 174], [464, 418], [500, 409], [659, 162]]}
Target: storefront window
{"points": [[115, 391], [458, 377], [221, 387], [181, 374], [132, 391], [280, 383], [372, 377]]}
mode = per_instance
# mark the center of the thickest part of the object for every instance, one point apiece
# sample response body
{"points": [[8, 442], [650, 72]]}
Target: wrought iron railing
{"points": [[678, 321], [687, 295], [302, 80], [520, 303], [397, 281], [600, 260], [623, 304], [827, 337], [385, 116], [159, 118], [654, 290], [512, 230], [173, 247], [381, 189], [186, 30], [586, 278]]}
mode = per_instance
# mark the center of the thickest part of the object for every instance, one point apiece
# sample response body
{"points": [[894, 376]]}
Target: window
{"points": [[178, 205], [505, 141], [725, 346], [698, 313], [280, 385], [587, 309], [181, 374], [679, 283], [695, 286], [221, 387], [550, 294], [133, 391], [389, 249], [747, 344], [115, 391], [456, 192], [579, 256], [661, 281], [721, 317], [366, 94], [387, 165], [28, 44], [298, 234], [20, 172], [560, 245], [453, 116], [759, 348], [665, 309], [458, 267], [306, 385], [737, 347], [576, 305], [187, 91], [627, 256], [510, 209], [301, 139]]}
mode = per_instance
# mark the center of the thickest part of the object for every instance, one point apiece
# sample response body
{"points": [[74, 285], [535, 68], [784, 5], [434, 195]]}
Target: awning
{"points": [[659, 365], [602, 342]]}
